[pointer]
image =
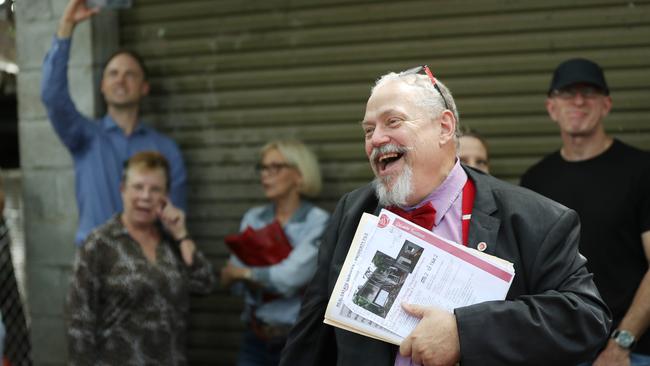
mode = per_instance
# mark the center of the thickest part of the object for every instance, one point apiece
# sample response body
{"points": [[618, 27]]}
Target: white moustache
{"points": [[388, 148]]}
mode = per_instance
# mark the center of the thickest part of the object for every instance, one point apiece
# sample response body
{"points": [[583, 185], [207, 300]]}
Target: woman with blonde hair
{"points": [[289, 174]]}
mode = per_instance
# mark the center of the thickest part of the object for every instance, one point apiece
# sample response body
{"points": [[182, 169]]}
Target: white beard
{"points": [[401, 190]]}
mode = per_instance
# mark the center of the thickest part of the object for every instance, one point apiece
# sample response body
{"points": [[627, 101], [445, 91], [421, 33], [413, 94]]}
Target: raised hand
{"points": [[75, 12]]}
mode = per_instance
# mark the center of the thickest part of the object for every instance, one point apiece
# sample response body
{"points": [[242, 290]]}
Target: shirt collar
{"points": [[300, 215], [115, 225], [443, 197], [117, 228], [109, 124]]}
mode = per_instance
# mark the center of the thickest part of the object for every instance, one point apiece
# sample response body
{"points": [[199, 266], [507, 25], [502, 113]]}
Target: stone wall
{"points": [[50, 208]]}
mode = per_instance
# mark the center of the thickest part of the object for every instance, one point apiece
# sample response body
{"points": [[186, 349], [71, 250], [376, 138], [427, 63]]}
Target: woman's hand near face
{"points": [[173, 219]]}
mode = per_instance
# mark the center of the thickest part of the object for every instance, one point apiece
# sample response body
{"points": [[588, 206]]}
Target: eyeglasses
{"points": [[424, 70], [273, 168], [587, 91]]}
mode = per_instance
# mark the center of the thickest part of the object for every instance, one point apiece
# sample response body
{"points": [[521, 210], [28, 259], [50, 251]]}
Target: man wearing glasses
{"points": [[608, 183], [552, 314]]}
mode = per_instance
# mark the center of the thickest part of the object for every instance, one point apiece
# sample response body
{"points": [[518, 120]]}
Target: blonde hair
{"points": [[303, 159]]}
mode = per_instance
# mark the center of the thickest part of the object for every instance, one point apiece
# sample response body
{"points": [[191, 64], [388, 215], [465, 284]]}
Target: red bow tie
{"points": [[424, 216]]}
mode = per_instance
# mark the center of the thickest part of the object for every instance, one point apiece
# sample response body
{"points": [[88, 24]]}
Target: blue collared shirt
{"points": [[99, 148]]}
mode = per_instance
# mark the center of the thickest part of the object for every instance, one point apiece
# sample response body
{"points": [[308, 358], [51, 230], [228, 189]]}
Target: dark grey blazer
{"points": [[553, 314]]}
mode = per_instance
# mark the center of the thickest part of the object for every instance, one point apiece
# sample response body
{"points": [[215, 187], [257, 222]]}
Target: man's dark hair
{"points": [[136, 56], [468, 131]]}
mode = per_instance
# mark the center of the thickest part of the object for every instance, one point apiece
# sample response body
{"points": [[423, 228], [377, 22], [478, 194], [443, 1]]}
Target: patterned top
{"points": [[125, 310], [16, 342]]}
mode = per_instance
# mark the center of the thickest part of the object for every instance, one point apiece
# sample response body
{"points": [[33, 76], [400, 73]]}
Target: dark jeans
{"points": [[257, 352], [636, 359]]}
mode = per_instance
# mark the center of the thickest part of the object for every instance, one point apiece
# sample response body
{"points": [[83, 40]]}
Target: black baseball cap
{"points": [[578, 70]]}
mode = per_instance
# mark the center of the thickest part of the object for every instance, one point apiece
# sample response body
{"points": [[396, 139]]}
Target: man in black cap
{"points": [[608, 183]]}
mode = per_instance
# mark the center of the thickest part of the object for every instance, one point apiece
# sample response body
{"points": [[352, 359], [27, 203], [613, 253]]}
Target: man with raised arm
{"points": [[100, 148]]}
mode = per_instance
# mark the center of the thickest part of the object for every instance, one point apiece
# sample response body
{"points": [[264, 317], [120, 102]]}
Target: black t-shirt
{"points": [[611, 193]]}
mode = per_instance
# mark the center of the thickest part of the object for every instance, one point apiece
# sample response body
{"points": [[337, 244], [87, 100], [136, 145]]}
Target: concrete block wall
{"points": [[48, 176]]}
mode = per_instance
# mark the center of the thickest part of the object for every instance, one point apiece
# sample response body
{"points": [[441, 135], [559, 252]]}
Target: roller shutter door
{"points": [[227, 76]]}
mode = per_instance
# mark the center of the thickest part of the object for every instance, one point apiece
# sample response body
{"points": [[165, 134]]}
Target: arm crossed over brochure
{"points": [[393, 261]]}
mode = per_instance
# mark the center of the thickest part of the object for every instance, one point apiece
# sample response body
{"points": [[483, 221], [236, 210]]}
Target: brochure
{"points": [[393, 261]]}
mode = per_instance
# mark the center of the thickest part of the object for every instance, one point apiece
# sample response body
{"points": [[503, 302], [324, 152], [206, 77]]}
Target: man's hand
{"points": [[231, 273], [613, 355], [75, 12], [434, 341]]}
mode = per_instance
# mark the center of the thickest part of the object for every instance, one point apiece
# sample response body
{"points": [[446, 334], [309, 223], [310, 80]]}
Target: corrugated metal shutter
{"points": [[229, 75]]}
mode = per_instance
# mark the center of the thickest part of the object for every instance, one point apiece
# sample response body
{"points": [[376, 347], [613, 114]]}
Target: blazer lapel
{"points": [[378, 210], [483, 226]]}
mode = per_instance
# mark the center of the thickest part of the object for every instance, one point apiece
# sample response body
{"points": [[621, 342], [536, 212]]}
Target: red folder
{"points": [[266, 246]]}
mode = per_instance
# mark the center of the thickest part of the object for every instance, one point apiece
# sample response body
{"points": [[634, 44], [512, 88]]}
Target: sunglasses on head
{"points": [[424, 70]]}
